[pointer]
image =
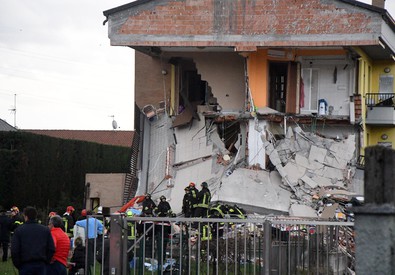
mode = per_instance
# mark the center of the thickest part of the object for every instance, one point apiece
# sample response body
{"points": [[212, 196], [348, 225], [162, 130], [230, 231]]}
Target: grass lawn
{"points": [[7, 268]]}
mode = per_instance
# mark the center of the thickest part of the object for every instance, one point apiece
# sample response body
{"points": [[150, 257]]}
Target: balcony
{"points": [[380, 109]]}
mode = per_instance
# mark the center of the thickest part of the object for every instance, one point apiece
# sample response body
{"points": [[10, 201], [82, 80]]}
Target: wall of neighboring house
{"points": [[369, 82], [106, 190]]}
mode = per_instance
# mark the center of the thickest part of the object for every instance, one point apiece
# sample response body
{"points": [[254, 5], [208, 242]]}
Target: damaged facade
{"points": [[267, 101]]}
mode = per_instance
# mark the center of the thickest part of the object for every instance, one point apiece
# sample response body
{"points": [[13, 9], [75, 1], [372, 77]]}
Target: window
{"points": [[310, 81]]}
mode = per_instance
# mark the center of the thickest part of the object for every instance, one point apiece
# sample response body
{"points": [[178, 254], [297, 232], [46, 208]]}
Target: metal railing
{"points": [[264, 245], [379, 99]]}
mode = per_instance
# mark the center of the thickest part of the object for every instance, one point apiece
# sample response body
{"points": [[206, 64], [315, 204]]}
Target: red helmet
{"points": [[192, 184], [51, 214], [83, 212], [70, 209]]}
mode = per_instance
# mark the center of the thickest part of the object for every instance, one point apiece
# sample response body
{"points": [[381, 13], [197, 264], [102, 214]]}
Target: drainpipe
{"points": [[379, 3]]}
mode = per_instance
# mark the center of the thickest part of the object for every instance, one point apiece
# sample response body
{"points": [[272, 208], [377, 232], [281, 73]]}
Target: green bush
{"points": [[49, 173]]}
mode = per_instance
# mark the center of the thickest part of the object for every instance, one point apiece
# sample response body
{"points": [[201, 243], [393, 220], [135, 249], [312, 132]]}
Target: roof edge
{"points": [[106, 13]]}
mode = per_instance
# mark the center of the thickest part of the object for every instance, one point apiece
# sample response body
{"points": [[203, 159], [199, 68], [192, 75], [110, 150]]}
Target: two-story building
{"points": [[218, 82]]}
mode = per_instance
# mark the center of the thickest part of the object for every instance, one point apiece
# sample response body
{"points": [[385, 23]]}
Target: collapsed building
{"points": [[263, 100]]}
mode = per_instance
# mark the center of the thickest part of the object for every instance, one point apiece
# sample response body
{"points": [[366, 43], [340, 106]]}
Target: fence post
{"points": [[375, 220], [115, 245], [268, 244]]}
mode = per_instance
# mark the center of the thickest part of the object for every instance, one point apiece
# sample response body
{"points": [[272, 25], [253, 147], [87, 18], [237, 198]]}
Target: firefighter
{"points": [[68, 221], [17, 219], [193, 198], [236, 212], [163, 209], [187, 203], [162, 229], [131, 225], [148, 206], [203, 201]]}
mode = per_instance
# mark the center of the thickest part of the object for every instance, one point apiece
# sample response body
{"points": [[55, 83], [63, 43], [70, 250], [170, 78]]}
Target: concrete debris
{"points": [[301, 210], [316, 170]]}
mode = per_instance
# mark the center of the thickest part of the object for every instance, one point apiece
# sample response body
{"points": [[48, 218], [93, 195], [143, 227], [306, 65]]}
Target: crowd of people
{"points": [[47, 248], [57, 247]]}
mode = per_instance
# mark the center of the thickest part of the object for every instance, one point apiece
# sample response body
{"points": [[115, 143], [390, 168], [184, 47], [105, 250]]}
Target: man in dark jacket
{"points": [[148, 206], [32, 246], [5, 226], [203, 198]]}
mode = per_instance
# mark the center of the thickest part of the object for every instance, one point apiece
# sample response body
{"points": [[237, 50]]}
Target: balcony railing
{"points": [[380, 109], [379, 99]]}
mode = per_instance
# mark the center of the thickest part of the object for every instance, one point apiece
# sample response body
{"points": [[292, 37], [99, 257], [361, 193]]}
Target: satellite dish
{"points": [[114, 125]]}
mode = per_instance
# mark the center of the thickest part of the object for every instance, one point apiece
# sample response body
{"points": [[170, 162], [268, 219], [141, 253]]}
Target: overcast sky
{"points": [[56, 57]]}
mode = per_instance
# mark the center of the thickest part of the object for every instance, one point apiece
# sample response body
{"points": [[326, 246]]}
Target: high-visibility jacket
{"points": [[193, 196], [204, 198], [131, 231], [68, 223], [206, 233]]}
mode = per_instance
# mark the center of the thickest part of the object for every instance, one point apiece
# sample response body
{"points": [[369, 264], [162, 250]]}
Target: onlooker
{"points": [[5, 225], [32, 246], [62, 247], [93, 227], [77, 261]]}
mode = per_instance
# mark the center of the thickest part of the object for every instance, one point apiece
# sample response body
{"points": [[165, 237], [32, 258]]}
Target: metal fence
{"points": [[264, 245]]}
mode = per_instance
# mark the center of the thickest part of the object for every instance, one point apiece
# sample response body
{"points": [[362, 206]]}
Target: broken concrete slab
{"points": [[321, 181], [312, 184], [254, 188], [329, 211], [294, 172], [301, 210], [317, 154]]}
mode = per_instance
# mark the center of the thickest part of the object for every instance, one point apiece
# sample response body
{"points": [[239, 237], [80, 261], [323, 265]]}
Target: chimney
{"points": [[379, 3]]}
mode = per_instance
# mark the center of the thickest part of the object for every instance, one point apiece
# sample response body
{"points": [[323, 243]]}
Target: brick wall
{"points": [[242, 17]]}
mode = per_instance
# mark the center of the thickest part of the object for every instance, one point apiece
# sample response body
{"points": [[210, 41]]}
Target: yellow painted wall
{"points": [[368, 82], [375, 135]]}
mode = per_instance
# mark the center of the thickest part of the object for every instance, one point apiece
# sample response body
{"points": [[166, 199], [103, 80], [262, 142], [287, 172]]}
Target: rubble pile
{"points": [[317, 170]]}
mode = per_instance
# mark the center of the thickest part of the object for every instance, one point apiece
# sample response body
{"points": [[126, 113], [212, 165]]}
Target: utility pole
{"points": [[13, 110]]}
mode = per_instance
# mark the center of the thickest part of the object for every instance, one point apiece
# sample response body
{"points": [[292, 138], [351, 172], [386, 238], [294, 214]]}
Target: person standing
{"points": [[186, 203], [17, 219], [58, 265], [148, 206], [203, 199], [93, 227], [5, 225], [68, 221], [193, 198], [32, 246]]}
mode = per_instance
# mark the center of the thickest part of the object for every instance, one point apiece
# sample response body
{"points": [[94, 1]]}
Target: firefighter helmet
{"points": [[192, 184], [70, 209], [129, 213], [15, 209], [162, 198], [204, 184]]}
